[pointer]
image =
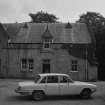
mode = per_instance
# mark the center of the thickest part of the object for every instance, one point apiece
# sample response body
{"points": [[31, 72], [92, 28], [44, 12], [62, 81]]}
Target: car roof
{"points": [[53, 74]]}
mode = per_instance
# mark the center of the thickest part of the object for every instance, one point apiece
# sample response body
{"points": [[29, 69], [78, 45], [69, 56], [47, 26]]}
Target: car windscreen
{"points": [[37, 77]]}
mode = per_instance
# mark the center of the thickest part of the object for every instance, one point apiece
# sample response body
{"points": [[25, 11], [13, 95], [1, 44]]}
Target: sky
{"points": [[66, 10]]}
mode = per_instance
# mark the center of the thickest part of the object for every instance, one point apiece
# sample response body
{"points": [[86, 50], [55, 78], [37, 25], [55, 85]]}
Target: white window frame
{"points": [[31, 64], [23, 65], [74, 65], [47, 42], [27, 64]]}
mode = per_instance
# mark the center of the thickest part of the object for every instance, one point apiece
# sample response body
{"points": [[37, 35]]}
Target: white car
{"points": [[55, 84]]}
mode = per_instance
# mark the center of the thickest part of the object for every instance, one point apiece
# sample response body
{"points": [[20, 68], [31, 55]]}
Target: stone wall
{"points": [[60, 62]]}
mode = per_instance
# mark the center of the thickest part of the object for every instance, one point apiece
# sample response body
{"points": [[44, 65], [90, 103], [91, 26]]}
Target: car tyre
{"points": [[38, 95], [86, 94]]}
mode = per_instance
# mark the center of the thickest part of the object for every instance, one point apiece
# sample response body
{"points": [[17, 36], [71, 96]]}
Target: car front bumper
{"points": [[23, 92]]}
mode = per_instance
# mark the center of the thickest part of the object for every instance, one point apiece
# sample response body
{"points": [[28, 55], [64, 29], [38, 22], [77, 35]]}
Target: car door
{"points": [[66, 86], [52, 85]]}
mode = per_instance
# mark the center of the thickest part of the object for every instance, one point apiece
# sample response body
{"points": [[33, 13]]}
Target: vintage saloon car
{"points": [[54, 84]]}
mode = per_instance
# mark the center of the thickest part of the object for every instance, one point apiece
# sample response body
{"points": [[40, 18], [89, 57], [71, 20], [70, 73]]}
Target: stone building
{"points": [[27, 49]]}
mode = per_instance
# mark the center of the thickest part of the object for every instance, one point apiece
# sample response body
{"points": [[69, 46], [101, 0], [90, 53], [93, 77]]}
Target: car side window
{"points": [[52, 79], [43, 80], [64, 79]]}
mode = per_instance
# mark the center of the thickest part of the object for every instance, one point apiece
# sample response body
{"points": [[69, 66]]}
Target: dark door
{"points": [[46, 66]]}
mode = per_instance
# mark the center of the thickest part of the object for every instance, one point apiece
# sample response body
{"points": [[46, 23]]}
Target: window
{"points": [[47, 43], [31, 64], [43, 80], [24, 63], [63, 79], [74, 65], [37, 77], [27, 64], [52, 79]]}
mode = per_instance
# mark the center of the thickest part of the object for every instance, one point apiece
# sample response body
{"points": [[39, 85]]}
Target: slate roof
{"points": [[68, 25], [47, 34], [12, 29], [3, 29], [32, 34]]}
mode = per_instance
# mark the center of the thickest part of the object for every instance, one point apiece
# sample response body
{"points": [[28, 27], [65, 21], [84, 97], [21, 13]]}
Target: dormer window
{"points": [[47, 43], [47, 38]]}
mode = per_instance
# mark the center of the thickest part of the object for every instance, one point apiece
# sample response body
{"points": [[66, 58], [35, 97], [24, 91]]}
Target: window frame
{"points": [[52, 82], [74, 65], [62, 77], [47, 43], [43, 79], [29, 64], [69, 80], [23, 65]]}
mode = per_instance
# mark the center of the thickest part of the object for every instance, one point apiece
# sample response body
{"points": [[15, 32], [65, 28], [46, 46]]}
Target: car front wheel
{"points": [[86, 94], [38, 95]]}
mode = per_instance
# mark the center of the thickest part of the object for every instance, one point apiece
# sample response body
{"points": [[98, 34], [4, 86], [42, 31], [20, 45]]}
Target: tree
{"points": [[41, 17], [96, 22]]}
